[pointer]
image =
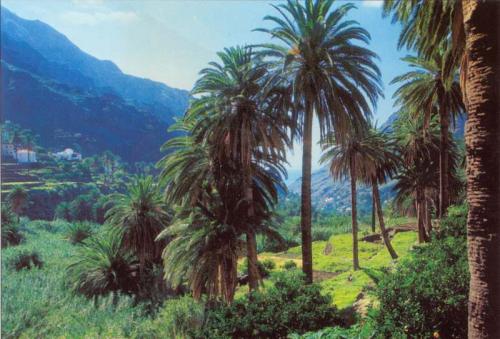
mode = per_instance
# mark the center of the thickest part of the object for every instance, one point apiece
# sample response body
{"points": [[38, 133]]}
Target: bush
{"points": [[263, 268], [455, 223], [269, 264], [26, 260], [428, 292], [289, 265], [288, 306], [77, 232], [321, 233], [178, 318]]}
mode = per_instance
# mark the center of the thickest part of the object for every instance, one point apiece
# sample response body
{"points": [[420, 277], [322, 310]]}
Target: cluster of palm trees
{"points": [[225, 171]]}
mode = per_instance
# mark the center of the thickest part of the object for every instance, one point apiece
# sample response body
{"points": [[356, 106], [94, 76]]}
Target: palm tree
{"points": [[236, 124], [381, 162], [365, 156], [426, 89], [140, 215], [483, 162], [205, 189], [18, 199], [329, 75], [102, 266]]}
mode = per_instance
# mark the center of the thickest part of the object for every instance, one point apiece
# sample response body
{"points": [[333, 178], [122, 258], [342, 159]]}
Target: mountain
{"points": [[335, 196], [69, 97]]}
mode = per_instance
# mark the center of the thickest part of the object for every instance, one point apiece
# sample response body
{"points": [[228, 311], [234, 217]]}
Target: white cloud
{"points": [[373, 3], [88, 3], [97, 17]]}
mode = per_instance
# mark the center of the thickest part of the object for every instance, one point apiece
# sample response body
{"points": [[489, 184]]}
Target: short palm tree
{"points": [[18, 199], [329, 75], [102, 266], [236, 123], [426, 89], [140, 214]]}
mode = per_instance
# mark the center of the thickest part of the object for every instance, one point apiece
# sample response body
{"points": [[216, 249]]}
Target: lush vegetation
{"points": [[204, 248]]}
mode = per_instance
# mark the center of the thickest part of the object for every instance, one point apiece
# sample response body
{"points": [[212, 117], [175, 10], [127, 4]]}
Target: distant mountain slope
{"points": [[71, 98], [79, 69], [331, 195]]}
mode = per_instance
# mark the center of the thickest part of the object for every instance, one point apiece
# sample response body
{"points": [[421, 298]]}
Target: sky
{"points": [[172, 40]]}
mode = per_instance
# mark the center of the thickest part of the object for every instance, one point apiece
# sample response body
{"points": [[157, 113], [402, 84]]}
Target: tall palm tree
{"points": [[140, 215], [381, 162], [475, 47], [329, 75], [483, 163], [237, 125], [426, 89], [362, 156]]}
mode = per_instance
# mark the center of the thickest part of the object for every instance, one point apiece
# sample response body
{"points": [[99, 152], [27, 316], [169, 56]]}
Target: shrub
{"points": [[289, 265], [77, 232], [288, 306], [455, 224], [427, 293], [177, 318], [269, 264], [321, 233], [26, 260], [263, 268]]}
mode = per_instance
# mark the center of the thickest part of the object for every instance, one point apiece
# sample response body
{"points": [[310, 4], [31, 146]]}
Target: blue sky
{"points": [[170, 41]]}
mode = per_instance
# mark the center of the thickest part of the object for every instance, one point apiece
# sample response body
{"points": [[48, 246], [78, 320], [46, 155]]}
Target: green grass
{"points": [[347, 285], [36, 303]]}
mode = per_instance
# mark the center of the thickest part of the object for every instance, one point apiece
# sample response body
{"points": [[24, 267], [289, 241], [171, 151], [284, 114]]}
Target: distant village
{"points": [[24, 154]]}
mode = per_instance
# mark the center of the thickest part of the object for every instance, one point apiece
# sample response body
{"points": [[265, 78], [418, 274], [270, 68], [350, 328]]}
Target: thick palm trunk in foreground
{"points": [[373, 214], [383, 231], [305, 211], [354, 216], [482, 139]]}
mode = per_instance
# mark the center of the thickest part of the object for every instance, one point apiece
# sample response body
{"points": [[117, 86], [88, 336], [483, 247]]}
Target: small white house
{"points": [[26, 156], [68, 154]]}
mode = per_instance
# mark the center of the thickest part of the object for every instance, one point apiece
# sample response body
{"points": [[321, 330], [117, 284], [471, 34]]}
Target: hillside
{"points": [[335, 196], [69, 97]]}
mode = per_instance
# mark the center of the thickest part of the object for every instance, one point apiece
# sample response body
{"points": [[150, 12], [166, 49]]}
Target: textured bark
{"points": [[444, 189], [354, 215], [373, 214], [383, 231], [253, 270], [482, 139], [305, 211]]}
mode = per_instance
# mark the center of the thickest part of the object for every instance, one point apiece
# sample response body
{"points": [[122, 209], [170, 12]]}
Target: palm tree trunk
{"points": [[482, 137], [373, 213], [305, 221], [428, 221], [253, 270], [354, 215], [383, 231], [444, 190], [420, 216]]}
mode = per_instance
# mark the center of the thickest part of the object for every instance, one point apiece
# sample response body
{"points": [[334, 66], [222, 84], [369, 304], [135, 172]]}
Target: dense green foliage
{"points": [[287, 306], [11, 233], [77, 232], [427, 293]]}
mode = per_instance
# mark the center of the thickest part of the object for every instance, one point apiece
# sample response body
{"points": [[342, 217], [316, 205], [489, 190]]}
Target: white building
{"points": [[26, 156], [68, 154]]}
